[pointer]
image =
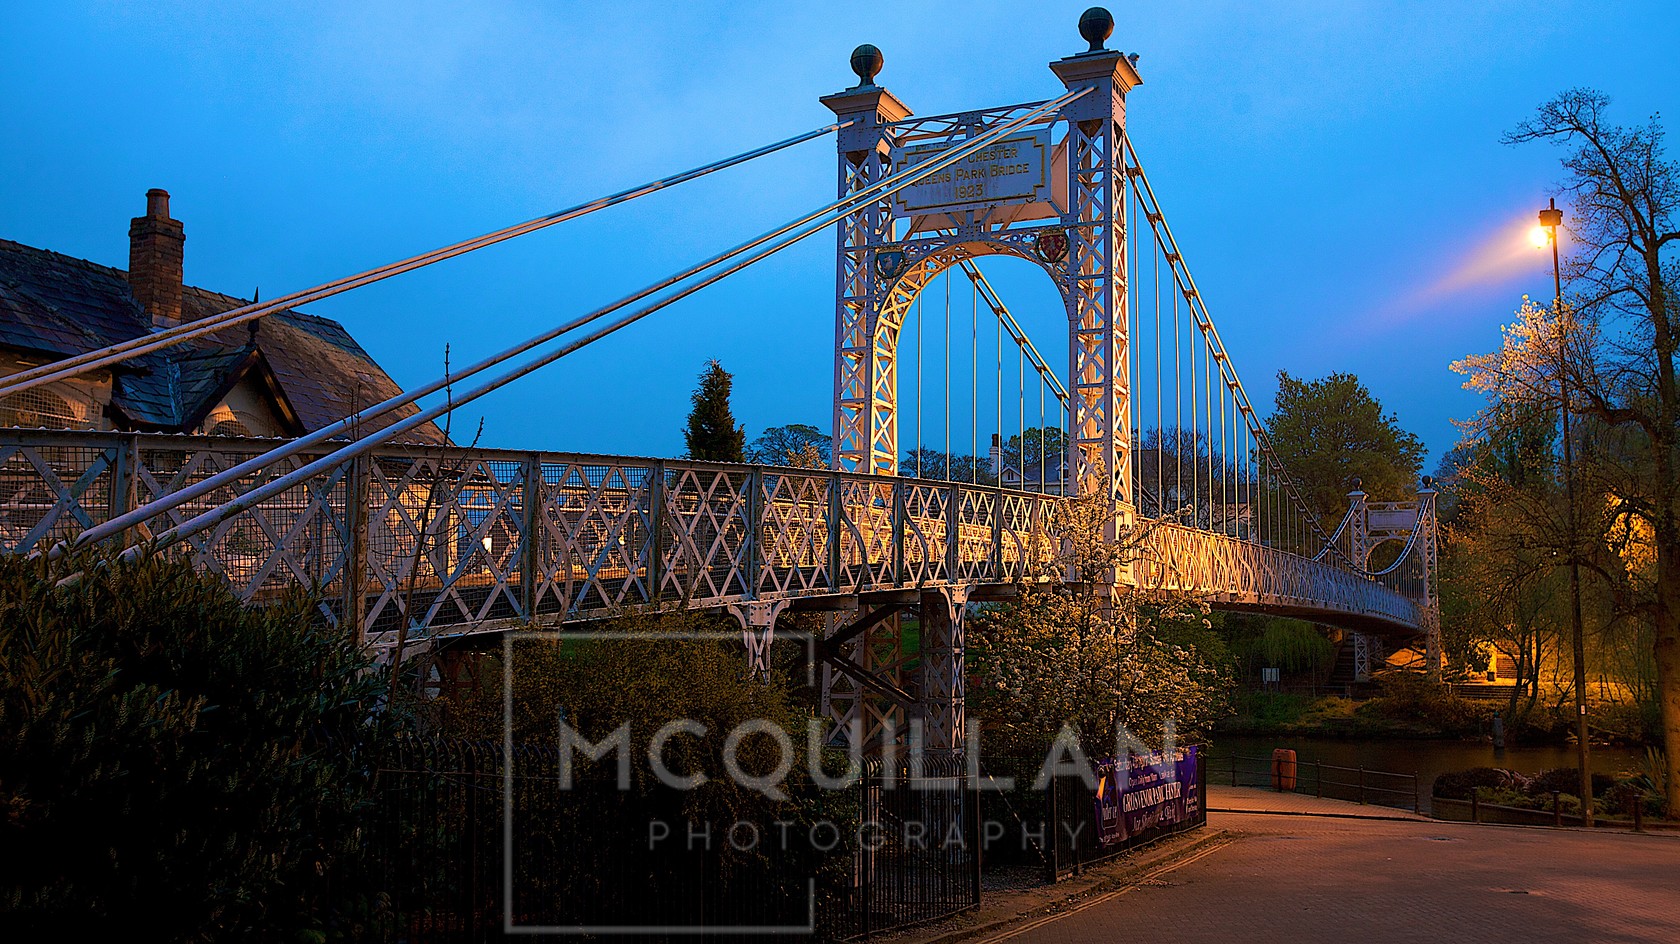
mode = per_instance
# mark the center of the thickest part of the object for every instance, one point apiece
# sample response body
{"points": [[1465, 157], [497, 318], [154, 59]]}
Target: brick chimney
{"points": [[154, 260]]}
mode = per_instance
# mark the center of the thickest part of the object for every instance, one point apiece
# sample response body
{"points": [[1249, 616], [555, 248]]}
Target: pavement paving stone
{"points": [[1305, 879], [1221, 798]]}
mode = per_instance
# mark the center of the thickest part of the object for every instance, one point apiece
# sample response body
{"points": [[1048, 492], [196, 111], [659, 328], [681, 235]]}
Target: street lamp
{"points": [[1550, 219]]}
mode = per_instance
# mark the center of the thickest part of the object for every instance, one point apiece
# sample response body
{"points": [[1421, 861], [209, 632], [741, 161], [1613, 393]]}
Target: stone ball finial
{"points": [[1096, 25], [1355, 484], [1429, 481], [866, 62]]}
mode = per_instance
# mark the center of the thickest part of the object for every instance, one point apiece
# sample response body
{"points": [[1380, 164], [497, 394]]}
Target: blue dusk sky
{"points": [[1332, 171]]}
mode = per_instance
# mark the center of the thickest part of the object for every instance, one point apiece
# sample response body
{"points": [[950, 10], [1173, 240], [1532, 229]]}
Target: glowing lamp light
{"points": [[1538, 236], [488, 545]]}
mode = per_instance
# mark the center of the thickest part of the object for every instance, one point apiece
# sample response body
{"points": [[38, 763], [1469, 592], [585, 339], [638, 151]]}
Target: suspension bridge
{"points": [[429, 544]]}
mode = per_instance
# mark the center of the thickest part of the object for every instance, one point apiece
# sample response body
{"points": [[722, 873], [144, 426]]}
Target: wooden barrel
{"points": [[1283, 769]]}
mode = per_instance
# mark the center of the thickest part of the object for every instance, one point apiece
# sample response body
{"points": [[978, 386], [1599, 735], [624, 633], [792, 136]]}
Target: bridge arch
{"points": [[916, 273]]}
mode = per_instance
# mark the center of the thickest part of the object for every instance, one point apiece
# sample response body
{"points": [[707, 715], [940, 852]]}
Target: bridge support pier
{"points": [[1365, 650], [865, 688], [758, 630], [1429, 548], [944, 615], [863, 662]]}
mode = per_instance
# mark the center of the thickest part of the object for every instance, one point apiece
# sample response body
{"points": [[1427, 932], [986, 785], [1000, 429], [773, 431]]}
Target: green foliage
{"points": [[1293, 646], [1283, 713], [1079, 655], [598, 684], [712, 434], [1621, 798], [796, 444], [1328, 432], [1566, 780], [1414, 702], [1034, 448], [1194, 631], [1459, 785], [936, 465], [1566, 803], [1655, 768], [174, 765], [1270, 711]]}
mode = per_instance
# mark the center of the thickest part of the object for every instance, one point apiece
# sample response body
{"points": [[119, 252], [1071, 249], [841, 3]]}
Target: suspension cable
{"points": [[134, 347], [828, 216], [974, 389], [1163, 233], [1010, 324]]}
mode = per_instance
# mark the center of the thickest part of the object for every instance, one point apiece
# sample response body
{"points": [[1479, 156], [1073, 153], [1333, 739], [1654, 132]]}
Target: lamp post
{"points": [[1550, 219]]}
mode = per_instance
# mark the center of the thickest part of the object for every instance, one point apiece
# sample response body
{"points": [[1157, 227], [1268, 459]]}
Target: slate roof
{"points": [[56, 305]]}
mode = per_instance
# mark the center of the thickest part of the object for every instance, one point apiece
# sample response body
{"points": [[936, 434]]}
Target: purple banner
{"points": [[1143, 792]]}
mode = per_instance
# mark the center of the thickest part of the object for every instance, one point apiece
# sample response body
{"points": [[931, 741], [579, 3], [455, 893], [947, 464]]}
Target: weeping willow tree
{"points": [[1294, 646]]}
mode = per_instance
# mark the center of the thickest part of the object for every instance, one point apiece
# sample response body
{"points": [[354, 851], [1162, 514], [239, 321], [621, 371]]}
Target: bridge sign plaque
{"points": [[1014, 170]]}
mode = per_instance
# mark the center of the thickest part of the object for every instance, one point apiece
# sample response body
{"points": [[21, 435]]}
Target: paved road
{"points": [[1304, 879]]}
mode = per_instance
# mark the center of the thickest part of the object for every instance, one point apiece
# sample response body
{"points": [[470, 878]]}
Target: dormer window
{"points": [[38, 406]]}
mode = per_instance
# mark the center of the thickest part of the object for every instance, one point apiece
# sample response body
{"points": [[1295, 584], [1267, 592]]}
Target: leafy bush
{"points": [[1330, 710], [1620, 799], [1630, 720], [1424, 705], [1459, 785], [596, 685], [1567, 780], [1654, 768], [1566, 804], [174, 765], [1272, 708]]}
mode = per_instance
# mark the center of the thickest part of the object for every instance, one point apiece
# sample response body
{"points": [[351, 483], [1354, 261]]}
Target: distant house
{"points": [[1046, 476], [284, 375]]}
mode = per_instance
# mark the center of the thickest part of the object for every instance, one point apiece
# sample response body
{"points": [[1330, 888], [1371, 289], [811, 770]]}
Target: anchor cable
{"points": [[116, 353]]}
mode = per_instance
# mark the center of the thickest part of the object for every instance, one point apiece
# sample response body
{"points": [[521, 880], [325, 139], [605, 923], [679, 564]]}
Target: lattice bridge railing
{"points": [[452, 540]]}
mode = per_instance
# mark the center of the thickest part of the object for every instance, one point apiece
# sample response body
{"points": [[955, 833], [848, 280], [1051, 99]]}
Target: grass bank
{"points": [[1397, 715]]}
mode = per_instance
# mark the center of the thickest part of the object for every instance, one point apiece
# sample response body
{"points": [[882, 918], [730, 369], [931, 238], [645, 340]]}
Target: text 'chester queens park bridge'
{"points": [[435, 543]]}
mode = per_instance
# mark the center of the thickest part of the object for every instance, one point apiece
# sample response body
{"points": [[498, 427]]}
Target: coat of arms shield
{"points": [[889, 263], [1051, 246]]}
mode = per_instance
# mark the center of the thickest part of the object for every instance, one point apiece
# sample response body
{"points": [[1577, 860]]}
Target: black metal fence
{"points": [[1076, 840], [1357, 784], [917, 857], [1057, 828], [468, 844]]}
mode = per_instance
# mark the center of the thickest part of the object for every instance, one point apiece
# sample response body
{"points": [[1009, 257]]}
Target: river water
{"points": [[1427, 759]]}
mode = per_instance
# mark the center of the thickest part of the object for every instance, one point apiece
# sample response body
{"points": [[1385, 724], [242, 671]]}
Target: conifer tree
{"points": [[712, 434]]}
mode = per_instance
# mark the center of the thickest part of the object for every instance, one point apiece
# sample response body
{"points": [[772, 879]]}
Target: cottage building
{"points": [[284, 375]]}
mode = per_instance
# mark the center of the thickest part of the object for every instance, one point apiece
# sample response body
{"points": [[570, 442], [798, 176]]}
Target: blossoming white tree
{"points": [[1076, 653]]}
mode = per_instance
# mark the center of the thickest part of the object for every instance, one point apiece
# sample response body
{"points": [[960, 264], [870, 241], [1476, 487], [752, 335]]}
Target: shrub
{"points": [[1413, 699], [1620, 799], [1459, 785], [596, 685], [174, 765], [1566, 803], [1567, 780], [1639, 721], [1272, 708]]}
